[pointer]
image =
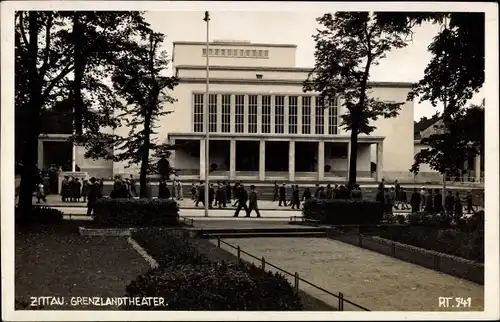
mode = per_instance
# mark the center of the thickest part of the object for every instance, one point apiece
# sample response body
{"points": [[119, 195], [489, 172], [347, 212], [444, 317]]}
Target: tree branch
{"points": [[45, 65], [21, 26], [56, 80]]}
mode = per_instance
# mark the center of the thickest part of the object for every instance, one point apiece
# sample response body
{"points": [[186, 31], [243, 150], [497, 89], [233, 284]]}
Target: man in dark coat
{"points": [[242, 201], [316, 191], [468, 200], [306, 195], [449, 203], [459, 210], [220, 195], [275, 191], [438, 202], [429, 205], [228, 192], [211, 195], [295, 197], [415, 200], [201, 194], [252, 202], [282, 195], [163, 191], [65, 189], [94, 194]]}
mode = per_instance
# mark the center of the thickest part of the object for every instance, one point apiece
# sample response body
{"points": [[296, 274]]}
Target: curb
{"points": [[151, 261], [107, 232]]}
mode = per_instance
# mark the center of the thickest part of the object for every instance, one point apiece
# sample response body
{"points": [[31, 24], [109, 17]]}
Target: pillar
{"points": [[291, 160], [202, 160], [262, 160], [232, 159], [477, 167], [380, 158], [321, 160], [40, 154]]}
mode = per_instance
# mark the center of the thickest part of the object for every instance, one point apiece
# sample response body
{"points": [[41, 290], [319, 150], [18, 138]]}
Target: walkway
{"points": [[373, 280]]}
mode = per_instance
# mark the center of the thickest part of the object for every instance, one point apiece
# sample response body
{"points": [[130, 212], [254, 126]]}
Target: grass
{"points": [[57, 261]]}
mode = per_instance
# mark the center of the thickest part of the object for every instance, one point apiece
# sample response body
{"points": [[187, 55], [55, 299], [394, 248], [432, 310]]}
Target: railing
{"points": [[297, 278]]}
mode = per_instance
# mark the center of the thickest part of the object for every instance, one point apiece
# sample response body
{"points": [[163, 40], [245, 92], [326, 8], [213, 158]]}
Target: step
{"points": [[216, 231], [269, 235]]}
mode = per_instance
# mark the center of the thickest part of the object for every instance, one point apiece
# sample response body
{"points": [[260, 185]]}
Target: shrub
{"points": [[136, 212], [344, 212], [188, 280], [39, 215]]}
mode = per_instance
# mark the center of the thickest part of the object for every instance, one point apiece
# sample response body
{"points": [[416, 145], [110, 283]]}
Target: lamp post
{"points": [[205, 115]]}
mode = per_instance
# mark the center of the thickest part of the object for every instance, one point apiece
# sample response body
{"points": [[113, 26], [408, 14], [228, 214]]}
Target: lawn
{"points": [[56, 261]]}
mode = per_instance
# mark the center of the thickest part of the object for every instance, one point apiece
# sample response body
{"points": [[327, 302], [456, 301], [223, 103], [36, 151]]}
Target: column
{"points": [[477, 167], [326, 120], [313, 114], [245, 113], [262, 160], [299, 114], [232, 159], [380, 158], [321, 160], [291, 160], [40, 154], [259, 114], [286, 114], [202, 160], [348, 158]]}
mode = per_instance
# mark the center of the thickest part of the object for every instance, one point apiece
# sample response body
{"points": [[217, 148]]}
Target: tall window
{"points": [[252, 114], [279, 120], [266, 114], [226, 113], [212, 113], [198, 112], [320, 117], [239, 119], [292, 114], [333, 117], [306, 114]]}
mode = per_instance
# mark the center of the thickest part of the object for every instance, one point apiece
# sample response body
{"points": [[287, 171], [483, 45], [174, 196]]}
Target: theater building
{"points": [[263, 127]]}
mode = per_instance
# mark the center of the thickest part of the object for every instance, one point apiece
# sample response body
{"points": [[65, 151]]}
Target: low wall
{"points": [[448, 264]]}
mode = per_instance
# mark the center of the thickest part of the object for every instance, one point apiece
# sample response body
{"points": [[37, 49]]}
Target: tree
{"points": [[141, 81], [347, 46], [448, 150]]}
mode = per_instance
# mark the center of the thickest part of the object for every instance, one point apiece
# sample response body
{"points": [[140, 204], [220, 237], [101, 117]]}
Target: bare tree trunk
{"points": [[78, 108], [145, 156], [30, 156]]}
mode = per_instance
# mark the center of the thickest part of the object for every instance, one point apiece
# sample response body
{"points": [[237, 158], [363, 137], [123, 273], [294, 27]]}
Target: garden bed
{"points": [[194, 275]]}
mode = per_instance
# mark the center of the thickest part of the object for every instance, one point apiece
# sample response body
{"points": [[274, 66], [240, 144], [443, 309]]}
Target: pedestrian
{"points": [[458, 206], [193, 191], [211, 195], [252, 204], [429, 202], [391, 197], [379, 197], [40, 193], [78, 190], [438, 202], [307, 194], [118, 189], [242, 200], [335, 191], [200, 196], [415, 201], [149, 190], [228, 192], [95, 193], [449, 203], [65, 189], [397, 194], [282, 195], [73, 189], [235, 193], [224, 194], [133, 185], [178, 189], [85, 189], [275, 191], [329, 191], [163, 191], [101, 185], [295, 200], [356, 193], [381, 185], [423, 196], [468, 201], [316, 191]]}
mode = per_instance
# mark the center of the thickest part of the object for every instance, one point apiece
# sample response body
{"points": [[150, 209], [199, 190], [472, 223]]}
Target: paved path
{"points": [[370, 279]]}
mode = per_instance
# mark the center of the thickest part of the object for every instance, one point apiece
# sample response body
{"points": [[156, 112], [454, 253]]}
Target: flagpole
{"points": [[205, 114]]}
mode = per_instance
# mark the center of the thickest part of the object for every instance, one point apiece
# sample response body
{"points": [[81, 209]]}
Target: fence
{"points": [[297, 278]]}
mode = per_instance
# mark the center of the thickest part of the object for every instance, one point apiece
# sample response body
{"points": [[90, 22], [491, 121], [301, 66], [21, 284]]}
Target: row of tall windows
{"points": [[273, 115]]}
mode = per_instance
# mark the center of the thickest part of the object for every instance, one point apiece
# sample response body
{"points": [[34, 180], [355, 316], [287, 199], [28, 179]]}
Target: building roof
{"points": [[422, 125], [233, 43]]}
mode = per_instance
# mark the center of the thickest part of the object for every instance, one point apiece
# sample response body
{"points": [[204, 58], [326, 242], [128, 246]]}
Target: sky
{"points": [[293, 27]]}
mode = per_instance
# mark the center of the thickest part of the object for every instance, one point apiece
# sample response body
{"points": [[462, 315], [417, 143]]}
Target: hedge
{"points": [[136, 212], [463, 239], [187, 280], [343, 211], [39, 215]]}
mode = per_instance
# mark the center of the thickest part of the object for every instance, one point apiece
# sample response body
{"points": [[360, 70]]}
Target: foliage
{"points": [[448, 150], [140, 81], [39, 215], [189, 281], [136, 212], [348, 44], [343, 211]]}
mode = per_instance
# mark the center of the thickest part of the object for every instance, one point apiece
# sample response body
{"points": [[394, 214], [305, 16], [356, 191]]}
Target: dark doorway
{"points": [[306, 156], [58, 154], [277, 156], [247, 155]]}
